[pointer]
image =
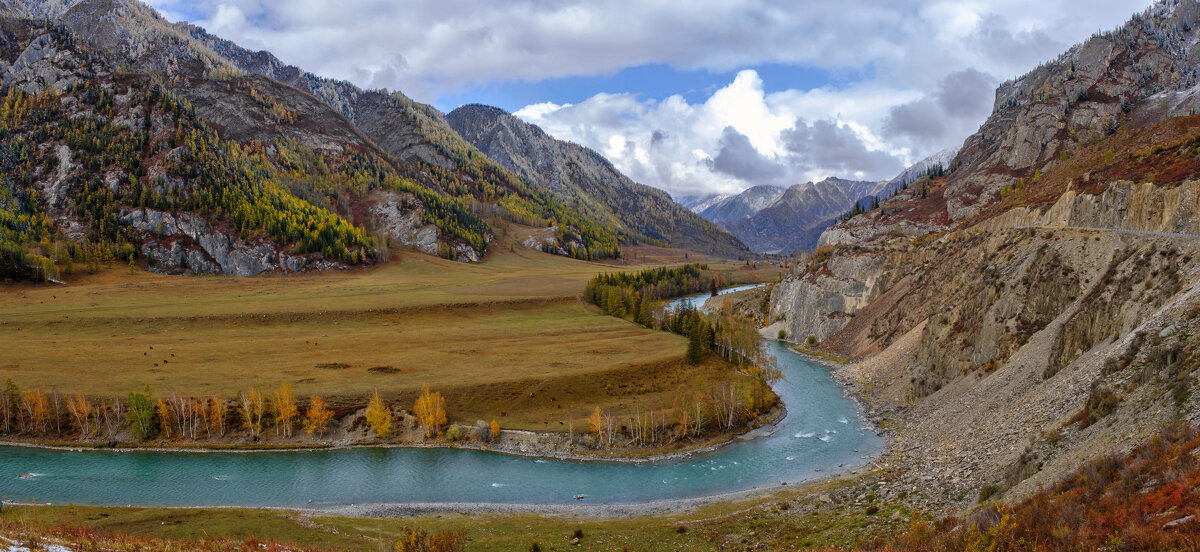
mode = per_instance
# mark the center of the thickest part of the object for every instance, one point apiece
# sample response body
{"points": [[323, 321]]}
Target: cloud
{"points": [[946, 114], [738, 158], [921, 71], [826, 146], [738, 137], [427, 48], [966, 94]]}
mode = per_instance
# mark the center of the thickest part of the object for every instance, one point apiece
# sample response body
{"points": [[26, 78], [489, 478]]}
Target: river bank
{"points": [[819, 433], [839, 484], [855, 389], [555, 445]]}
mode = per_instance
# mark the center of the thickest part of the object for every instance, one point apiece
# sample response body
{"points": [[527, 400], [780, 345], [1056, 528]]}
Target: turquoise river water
{"points": [[822, 433]]}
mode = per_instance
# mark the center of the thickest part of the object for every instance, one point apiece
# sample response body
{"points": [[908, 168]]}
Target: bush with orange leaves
{"points": [[1146, 500]]}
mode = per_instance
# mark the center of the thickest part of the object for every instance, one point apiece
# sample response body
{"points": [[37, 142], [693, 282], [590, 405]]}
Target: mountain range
{"points": [[775, 220], [794, 219], [721, 208], [378, 166]]}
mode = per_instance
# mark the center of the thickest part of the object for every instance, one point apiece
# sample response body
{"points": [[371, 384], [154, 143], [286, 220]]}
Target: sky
{"points": [[694, 97]]}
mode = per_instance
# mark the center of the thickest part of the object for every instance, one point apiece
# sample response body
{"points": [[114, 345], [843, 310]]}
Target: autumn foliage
{"points": [[1146, 500], [318, 416], [80, 538], [285, 409], [379, 416], [417, 540], [430, 410]]}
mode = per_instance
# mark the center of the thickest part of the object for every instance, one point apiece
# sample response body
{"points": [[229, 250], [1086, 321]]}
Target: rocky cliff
{"points": [[1029, 308]]}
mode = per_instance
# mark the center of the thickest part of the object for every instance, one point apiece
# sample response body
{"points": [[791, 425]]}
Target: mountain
{"points": [[794, 219], [584, 180], [771, 219], [1029, 306], [936, 162], [368, 167], [745, 204], [699, 202]]}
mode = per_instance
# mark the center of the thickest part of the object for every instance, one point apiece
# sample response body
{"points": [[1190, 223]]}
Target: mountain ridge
{"points": [[794, 219], [399, 175], [745, 204], [587, 181]]}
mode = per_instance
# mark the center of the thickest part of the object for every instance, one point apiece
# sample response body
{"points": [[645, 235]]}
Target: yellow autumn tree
{"points": [[318, 416], [218, 409], [596, 422], [164, 418], [251, 408], [495, 430], [379, 416], [38, 408], [430, 410], [81, 410], [285, 409]]}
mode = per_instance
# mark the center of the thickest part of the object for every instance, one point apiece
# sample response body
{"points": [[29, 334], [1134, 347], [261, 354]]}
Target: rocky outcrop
{"points": [[399, 217], [869, 225], [43, 66], [184, 241], [821, 301], [546, 240], [401, 221]]}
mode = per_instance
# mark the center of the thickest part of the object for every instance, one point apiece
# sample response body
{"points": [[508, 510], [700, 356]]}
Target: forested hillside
{"points": [[128, 140], [111, 171]]}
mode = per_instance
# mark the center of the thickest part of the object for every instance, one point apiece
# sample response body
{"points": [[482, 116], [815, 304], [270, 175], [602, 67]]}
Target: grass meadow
{"points": [[509, 335]]}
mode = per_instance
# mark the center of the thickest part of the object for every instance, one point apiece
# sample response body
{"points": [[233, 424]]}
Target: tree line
{"points": [[143, 416], [638, 296]]}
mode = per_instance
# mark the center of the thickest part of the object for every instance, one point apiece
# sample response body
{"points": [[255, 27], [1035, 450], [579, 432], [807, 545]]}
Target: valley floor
{"points": [[508, 339]]}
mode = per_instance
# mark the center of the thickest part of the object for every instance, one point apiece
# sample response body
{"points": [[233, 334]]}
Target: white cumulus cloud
{"points": [[739, 136], [922, 69]]}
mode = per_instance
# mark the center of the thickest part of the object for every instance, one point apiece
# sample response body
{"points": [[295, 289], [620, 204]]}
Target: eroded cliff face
{"points": [[1013, 386], [987, 347], [184, 241], [819, 302]]}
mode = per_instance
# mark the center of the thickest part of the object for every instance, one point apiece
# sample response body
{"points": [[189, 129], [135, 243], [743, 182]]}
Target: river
{"points": [[697, 301], [822, 433]]}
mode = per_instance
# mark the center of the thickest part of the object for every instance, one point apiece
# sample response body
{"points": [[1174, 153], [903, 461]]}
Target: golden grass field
{"points": [[506, 335]]}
